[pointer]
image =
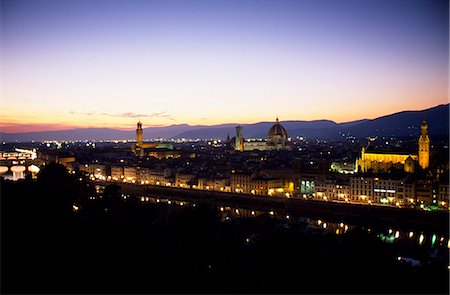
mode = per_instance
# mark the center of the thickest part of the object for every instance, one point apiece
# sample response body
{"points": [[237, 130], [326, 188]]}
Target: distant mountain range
{"points": [[400, 124]]}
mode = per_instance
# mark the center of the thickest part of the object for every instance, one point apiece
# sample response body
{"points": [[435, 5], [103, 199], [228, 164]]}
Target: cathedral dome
{"points": [[277, 131]]}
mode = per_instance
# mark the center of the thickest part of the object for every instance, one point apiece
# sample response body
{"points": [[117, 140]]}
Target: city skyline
{"points": [[76, 64], [225, 146]]}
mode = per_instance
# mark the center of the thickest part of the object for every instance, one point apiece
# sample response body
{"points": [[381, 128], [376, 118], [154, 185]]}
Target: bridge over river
{"points": [[14, 164]]}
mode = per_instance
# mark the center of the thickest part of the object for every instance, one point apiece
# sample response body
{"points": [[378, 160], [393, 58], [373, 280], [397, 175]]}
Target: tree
{"points": [[57, 192]]}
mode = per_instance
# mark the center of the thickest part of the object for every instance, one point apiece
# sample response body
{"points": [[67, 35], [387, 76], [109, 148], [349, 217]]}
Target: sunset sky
{"points": [[69, 64]]}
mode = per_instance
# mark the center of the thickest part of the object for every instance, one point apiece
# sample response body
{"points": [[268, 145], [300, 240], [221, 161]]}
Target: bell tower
{"points": [[239, 143], [139, 132], [424, 146]]}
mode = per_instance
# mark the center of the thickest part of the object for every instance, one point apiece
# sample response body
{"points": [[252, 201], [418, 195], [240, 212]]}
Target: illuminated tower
{"points": [[239, 144], [139, 133], [424, 146]]}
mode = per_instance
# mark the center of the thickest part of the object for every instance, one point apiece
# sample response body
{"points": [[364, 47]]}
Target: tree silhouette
{"points": [[58, 191]]}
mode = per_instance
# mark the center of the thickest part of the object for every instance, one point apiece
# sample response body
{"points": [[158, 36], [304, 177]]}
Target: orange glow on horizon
{"points": [[42, 123]]}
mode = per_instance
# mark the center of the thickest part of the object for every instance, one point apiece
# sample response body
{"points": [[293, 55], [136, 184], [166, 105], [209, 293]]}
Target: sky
{"points": [[69, 64]]}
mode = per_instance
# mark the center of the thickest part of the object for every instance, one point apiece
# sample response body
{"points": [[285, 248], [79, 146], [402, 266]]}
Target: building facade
{"points": [[185, 180], [377, 161], [331, 190], [256, 184]]}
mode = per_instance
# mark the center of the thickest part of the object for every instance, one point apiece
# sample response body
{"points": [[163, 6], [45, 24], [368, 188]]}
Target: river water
{"points": [[435, 243]]}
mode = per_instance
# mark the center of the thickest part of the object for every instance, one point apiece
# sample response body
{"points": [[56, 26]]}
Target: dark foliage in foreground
{"points": [[122, 246]]}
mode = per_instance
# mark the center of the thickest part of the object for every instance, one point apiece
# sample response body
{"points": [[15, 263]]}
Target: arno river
{"points": [[433, 242], [426, 239]]}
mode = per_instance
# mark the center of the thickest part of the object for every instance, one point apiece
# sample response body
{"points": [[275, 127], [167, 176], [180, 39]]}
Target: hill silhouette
{"points": [[402, 124]]}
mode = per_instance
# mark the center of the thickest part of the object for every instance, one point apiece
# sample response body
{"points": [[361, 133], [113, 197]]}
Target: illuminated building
{"points": [[401, 191], [424, 146], [406, 191], [185, 180], [155, 176], [239, 144], [117, 172], [169, 154], [361, 188], [444, 194], [386, 191], [290, 178], [14, 165], [378, 161], [256, 184], [96, 170], [382, 161], [424, 190], [277, 139], [139, 147], [130, 173], [376, 190], [139, 133], [307, 187], [142, 175], [331, 190], [343, 167], [214, 184]]}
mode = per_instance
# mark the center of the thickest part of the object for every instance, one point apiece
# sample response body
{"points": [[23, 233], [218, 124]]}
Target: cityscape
{"points": [[172, 175]]}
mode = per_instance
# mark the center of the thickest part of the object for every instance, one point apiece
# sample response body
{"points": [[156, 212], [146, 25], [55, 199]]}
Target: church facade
{"points": [[378, 161]]}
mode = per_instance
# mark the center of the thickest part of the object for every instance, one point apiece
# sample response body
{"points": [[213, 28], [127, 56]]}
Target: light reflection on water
{"points": [[390, 235]]}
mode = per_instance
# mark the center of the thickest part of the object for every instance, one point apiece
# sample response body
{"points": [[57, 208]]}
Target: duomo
{"points": [[277, 139]]}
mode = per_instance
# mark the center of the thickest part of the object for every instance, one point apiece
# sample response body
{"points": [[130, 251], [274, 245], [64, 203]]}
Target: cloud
{"points": [[169, 117], [34, 127], [127, 115], [137, 115], [85, 114]]}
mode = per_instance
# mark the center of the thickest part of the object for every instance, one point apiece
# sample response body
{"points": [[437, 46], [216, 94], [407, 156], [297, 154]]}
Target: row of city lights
{"points": [[321, 196]]}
